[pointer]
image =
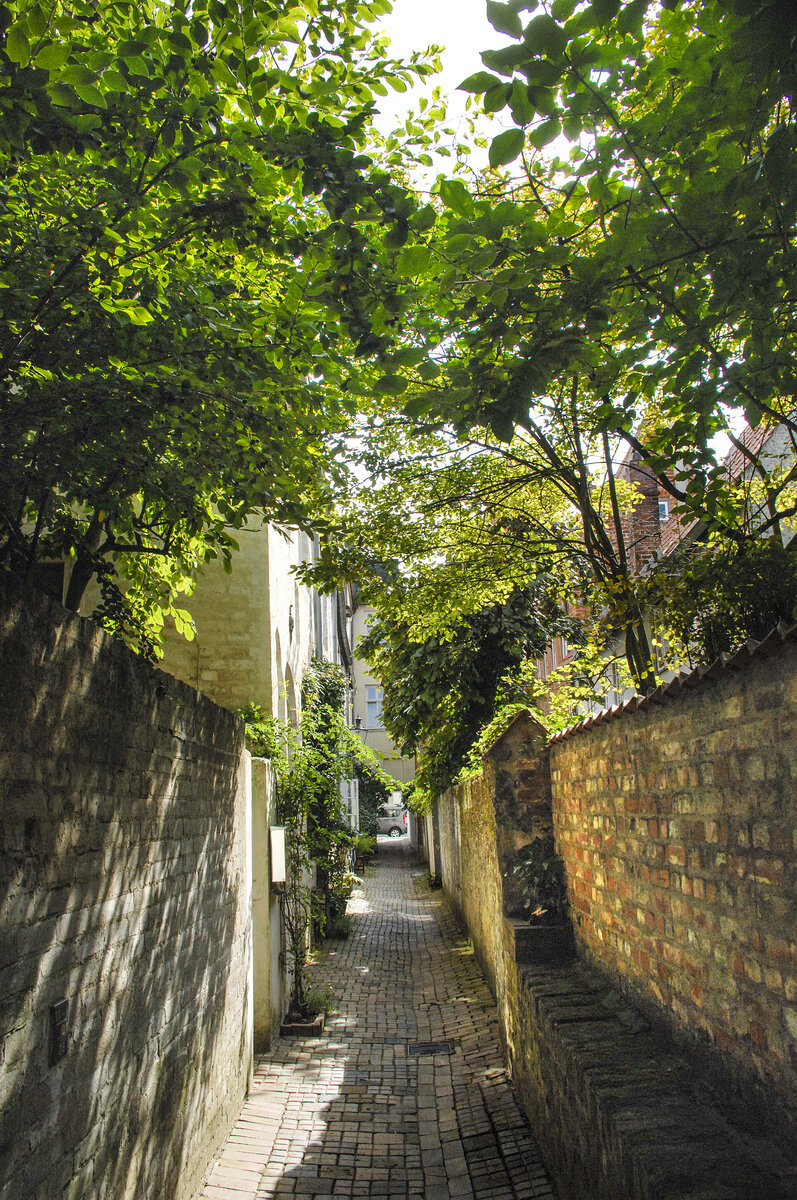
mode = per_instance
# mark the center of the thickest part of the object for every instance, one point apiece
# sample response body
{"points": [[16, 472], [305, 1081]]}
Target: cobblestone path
{"points": [[370, 1109]]}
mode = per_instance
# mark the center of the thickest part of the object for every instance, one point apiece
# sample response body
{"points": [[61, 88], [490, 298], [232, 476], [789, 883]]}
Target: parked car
{"points": [[392, 820]]}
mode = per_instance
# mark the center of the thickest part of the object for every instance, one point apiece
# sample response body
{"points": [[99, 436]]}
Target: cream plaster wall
{"points": [[402, 769], [257, 627], [229, 659]]}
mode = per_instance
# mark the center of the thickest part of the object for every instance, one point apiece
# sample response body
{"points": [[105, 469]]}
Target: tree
{"points": [[440, 691], [656, 262], [710, 599], [195, 247], [372, 792], [466, 552], [637, 292]]}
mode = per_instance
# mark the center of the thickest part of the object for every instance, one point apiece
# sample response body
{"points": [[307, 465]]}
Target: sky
{"points": [[461, 26]]}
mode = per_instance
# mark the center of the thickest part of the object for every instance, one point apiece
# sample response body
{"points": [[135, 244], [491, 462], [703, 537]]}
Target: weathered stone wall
{"points": [[678, 826], [125, 890], [482, 823], [621, 1109], [470, 868]]}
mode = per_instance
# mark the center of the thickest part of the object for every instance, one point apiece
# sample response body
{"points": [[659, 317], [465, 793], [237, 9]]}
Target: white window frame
{"points": [[374, 697]]}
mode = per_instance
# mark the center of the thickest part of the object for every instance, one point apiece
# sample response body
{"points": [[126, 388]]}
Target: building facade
{"points": [[367, 708]]}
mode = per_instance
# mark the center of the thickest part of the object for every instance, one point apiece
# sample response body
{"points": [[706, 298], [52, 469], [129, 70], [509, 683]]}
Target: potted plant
{"points": [[364, 847], [539, 878]]}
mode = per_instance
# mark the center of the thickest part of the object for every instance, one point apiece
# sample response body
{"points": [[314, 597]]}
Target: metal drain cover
{"points": [[424, 1048]]}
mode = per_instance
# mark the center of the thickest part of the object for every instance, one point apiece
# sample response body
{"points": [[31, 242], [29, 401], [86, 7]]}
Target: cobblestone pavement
{"points": [[373, 1109]]}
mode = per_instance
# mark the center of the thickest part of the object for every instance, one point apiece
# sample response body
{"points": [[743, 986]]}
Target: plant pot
{"points": [[312, 1028]]}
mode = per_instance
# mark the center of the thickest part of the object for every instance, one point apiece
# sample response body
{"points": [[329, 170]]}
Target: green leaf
{"points": [[779, 160], [479, 83], [520, 104], [456, 196], [545, 36], [506, 147], [139, 315], [17, 45], [76, 74], [414, 260], [507, 59], [397, 235], [424, 218], [502, 426], [545, 133], [601, 12], [61, 95], [416, 406], [504, 18], [53, 57], [391, 385], [542, 74], [91, 94], [497, 97]]}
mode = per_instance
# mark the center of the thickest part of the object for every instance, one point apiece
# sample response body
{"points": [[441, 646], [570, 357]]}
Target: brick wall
{"points": [[620, 1110], [482, 824], [124, 889], [678, 826]]}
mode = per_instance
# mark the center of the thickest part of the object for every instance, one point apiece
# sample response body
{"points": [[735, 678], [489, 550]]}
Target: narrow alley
{"points": [[405, 1094]]}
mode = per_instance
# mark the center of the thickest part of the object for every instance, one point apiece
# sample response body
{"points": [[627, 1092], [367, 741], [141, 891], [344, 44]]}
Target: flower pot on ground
{"points": [[312, 1027], [306, 1018]]}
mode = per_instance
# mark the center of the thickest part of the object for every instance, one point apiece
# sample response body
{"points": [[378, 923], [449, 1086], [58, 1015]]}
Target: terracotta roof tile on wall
{"points": [[687, 681]]}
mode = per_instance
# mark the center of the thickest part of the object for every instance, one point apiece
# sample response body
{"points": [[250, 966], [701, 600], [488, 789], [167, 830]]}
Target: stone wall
{"points": [[678, 826], [124, 891], [622, 1109], [479, 827]]}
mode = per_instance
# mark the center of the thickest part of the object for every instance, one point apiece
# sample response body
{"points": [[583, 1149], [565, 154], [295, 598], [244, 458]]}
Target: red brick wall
{"points": [[678, 826]]}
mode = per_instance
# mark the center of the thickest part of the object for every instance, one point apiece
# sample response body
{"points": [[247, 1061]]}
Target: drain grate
{"points": [[420, 1049]]}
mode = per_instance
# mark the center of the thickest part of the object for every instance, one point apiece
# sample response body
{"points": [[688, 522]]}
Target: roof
{"points": [[689, 681], [675, 530]]}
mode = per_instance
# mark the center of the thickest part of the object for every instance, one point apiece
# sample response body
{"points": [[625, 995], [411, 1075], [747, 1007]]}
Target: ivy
{"points": [[309, 765], [710, 599]]}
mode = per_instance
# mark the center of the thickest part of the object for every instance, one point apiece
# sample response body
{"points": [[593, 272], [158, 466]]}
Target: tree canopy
{"points": [[622, 278], [650, 263], [208, 269], [194, 248]]}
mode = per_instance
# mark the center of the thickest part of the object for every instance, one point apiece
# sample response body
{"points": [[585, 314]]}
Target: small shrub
{"points": [[338, 927], [711, 599], [364, 845], [262, 732], [344, 884], [540, 876]]}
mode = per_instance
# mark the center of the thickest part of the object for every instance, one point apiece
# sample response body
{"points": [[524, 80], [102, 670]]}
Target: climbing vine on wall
{"points": [[309, 765]]}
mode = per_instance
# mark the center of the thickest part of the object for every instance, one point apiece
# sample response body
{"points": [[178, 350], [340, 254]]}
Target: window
{"points": [[373, 708], [664, 510]]}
